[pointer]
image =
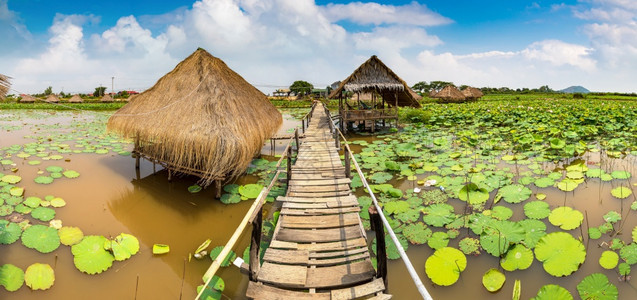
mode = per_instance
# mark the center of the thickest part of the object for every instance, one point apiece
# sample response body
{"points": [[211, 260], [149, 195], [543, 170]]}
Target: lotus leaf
{"points": [[43, 214], [517, 258], [566, 217], [621, 192], [11, 277], [534, 231], [394, 192], [6, 210], [21, 208], [43, 179], [390, 247], [9, 232], [32, 202], [553, 292], [473, 194], [479, 222], [89, 255], [54, 169], [557, 143], [629, 253], [620, 174], [71, 174], [123, 246], [493, 280], [515, 193], [606, 177], [58, 202], [597, 287], [612, 217], [231, 188], [609, 259], [469, 245], [517, 290], [438, 240], [501, 212], [624, 269], [568, 184], [194, 189], [417, 233], [230, 198], [70, 236], [41, 238], [13, 200], [561, 253], [380, 177], [499, 235], [250, 191], [214, 289], [16, 191], [39, 276], [410, 216], [226, 262], [11, 179], [444, 266], [537, 210], [160, 249], [438, 214], [392, 166], [605, 228], [396, 207], [594, 233], [540, 196], [594, 173]]}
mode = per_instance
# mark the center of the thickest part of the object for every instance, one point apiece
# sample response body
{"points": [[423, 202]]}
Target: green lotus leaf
{"points": [[71, 174], [160, 249], [380, 177], [39, 276], [553, 292], [594, 233], [226, 262], [556, 143], [438, 215], [9, 232], [566, 217], [444, 266], [89, 255], [540, 196], [515, 193], [396, 207], [194, 189], [493, 280], [624, 269], [605, 228], [54, 169], [634, 234], [214, 290], [568, 184], [438, 240], [517, 290], [70, 236], [479, 222], [526, 180], [609, 259], [11, 277], [43, 214], [575, 175], [561, 253], [409, 216], [517, 258], [534, 230], [32, 202], [43, 179], [390, 247], [620, 174], [417, 233], [23, 209], [594, 173], [41, 238], [621, 192], [392, 166], [230, 198], [13, 200], [473, 194], [497, 237], [250, 191], [58, 202], [537, 210], [11, 179], [16, 191], [606, 177], [123, 246], [469, 245], [231, 188], [501, 212], [629, 253], [597, 287]]}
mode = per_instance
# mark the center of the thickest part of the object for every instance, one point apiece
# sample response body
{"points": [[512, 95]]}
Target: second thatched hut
{"points": [[76, 99], [201, 119], [450, 94], [472, 93], [52, 99]]}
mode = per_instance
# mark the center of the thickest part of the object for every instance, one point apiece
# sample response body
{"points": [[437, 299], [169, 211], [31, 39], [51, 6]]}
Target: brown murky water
{"points": [[108, 199]]}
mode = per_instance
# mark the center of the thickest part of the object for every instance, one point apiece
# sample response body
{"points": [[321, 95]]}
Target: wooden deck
{"points": [[319, 248]]}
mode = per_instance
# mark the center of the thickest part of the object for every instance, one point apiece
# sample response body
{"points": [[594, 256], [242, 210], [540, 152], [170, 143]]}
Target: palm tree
{"points": [[4, 85]]}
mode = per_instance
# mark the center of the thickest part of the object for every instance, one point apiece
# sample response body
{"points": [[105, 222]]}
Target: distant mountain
{"points": [[575, 89]]}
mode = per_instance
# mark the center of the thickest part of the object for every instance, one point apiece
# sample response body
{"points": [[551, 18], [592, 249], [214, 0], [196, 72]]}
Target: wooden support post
{"points": [[348, 168], [289, 176], [381, 256], [303, 124], [296, 140], [255, 243], [136, 151], [170, 175], [218, 188]]}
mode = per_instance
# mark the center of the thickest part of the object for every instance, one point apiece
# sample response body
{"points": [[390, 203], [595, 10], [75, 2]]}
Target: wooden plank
{"points": [[314, 176], [313, 199], [319, 235], [339, 260], [327, 221], [358, 291], [283, 275], [318, 211], [319, 204], [318, 188], [344, 245], [315, 254], [320, 181], [292, 257], [319, 194], [342, 275], [260, 291], [381, 297]]}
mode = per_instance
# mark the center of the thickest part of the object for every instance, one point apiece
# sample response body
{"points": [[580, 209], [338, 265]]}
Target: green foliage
{"points": [[301, 87], [444, 266], [39, 276], [493, 280], [560, 253], [11, 277], [89, 255], [597, 287]]}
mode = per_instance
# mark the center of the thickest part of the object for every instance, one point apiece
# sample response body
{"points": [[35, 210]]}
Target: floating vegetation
{"points": [[11, 277], [160, 249], [444, 266], [39, 276], [493, 280], [90, 256]]}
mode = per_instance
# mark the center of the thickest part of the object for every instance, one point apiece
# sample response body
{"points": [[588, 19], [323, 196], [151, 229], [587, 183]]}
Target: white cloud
{"points": [[377, 14], [560, 53]]}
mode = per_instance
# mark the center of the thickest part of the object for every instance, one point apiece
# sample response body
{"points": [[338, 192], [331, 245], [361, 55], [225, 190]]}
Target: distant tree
{"points": [[301, 87], [421, 87], [124, 94], [99, 91], [545, 89], [439, 85], [48, 91], [62, 95]]}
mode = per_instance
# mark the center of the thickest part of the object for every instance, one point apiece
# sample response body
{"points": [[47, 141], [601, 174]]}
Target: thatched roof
{"points": [[450, 93], [374, 76], [52, 98], [472, 93], [27, 99], [200, 116], [4, 85], [130, 98], [76, 99], [107, 98], [432, 93]]}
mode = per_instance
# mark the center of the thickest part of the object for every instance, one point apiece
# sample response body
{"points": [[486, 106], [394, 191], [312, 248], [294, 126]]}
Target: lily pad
{"points": [[499, 235], [11, 179], [517, 258], [544, 182], [380, 177], [417, 233], [566, 217], [89, 255], [469, 245], [71, 174], [390, 247], [231, 188], [16, 191], [57, 202], [229, 258], [553, 292], [43, 214], [493, 280], [32, 202], [43, 179], [620, 174], [629, 253], [536, 210], [473, 194], [438, 240], [597, 287], [41, 238], [250, 191], [230, 198], [561, 253], [9, 232], [594, 233], [621, 192], [54, 169], [70, 236], [214, 290], [438, 215], [568, 184], [444, 266], [160, 249], [609, 259], [501, 212], [515, 193], [194, 189], [123, 246], [39, 276], [11, 277]]}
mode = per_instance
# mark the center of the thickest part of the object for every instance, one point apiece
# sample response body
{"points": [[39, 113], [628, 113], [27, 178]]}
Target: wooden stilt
{"points": [[296, 140], [136, 151], [381, 256], [289, 166], [348, 169], [218, 188], [170, 177], [255, 243]]}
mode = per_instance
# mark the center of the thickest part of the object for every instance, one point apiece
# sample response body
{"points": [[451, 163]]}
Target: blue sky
{"points": [[77, 45]]}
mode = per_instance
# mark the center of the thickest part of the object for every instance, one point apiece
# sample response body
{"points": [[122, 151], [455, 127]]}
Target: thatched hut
{"points": [[76, 99], [202, 119], [4, 85], [472, 93], [130, 98], [52, 98], [26, 98], [432, 93], [450, 94], [106, 98]]}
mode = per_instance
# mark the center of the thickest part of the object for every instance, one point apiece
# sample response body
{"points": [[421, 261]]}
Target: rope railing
{"points": [[349, 154]]}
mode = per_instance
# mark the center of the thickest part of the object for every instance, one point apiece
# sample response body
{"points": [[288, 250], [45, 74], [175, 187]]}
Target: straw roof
{"points": [[52, 98], [130, 98], [472, 93], [450, 93], [27, 99], [107, 98], [201, 116], [374, 76], [4, 85], [76, 99]]}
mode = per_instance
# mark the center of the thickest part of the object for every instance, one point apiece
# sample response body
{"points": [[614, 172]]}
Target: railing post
{"points": [[289, 176], [303, 124], [348, 168], [337, 139], [255, 244], [381, 256], [296, 140]]}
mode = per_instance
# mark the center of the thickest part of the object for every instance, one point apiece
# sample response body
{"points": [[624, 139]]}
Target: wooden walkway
{"points": [[319, 248]]}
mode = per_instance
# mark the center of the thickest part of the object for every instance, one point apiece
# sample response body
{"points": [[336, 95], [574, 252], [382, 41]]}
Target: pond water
{"points": [[109, 198]]}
